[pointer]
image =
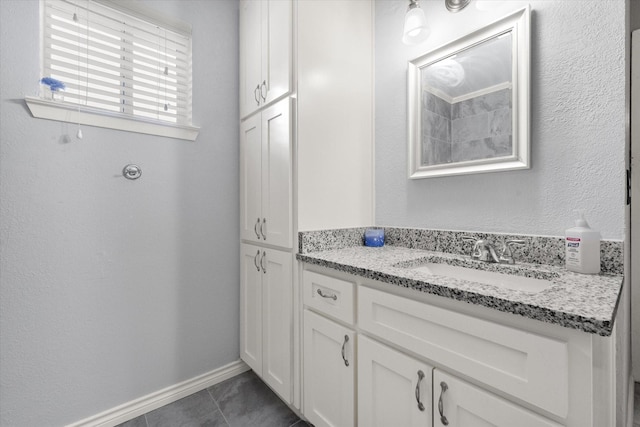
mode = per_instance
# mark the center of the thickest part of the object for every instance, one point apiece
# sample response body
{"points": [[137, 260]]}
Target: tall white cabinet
{"points": [[306, 161], [266, 191]]}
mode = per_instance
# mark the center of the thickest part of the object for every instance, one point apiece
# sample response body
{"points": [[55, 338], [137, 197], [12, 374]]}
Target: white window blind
{"points": [[113, 61]]}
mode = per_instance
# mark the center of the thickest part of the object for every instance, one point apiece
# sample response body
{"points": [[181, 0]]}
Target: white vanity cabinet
{"points": [[329, 351], [265, 52], [266, 180], [266, 315], [393, 389], [424, 360]]}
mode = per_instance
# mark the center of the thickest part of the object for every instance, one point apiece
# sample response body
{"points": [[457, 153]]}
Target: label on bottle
{"points": [[573, 251]]}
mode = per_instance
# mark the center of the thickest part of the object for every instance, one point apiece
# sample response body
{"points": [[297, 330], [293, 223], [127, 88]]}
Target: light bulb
{"points": [[415, 26]]}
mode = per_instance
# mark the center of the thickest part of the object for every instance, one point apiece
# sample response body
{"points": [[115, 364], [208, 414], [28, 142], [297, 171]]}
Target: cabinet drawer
{"points": [[527, 366], [328, 295]]}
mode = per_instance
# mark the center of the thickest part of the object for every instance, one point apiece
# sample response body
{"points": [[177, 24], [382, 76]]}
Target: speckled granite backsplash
{"points": [[537, 250]]}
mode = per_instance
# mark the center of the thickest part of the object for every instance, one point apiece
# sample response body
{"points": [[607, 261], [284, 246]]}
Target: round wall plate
{"points": [[132, 172], [456, 5]]}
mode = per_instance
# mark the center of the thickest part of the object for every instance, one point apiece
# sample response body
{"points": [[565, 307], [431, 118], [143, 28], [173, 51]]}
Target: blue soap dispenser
{"points": [[374, 237]]}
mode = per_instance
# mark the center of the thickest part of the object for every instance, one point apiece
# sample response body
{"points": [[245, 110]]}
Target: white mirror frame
{"points": [[518, 24]]}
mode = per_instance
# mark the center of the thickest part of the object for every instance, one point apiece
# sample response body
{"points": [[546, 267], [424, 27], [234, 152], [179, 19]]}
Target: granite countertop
{"points": [[580, 301]]}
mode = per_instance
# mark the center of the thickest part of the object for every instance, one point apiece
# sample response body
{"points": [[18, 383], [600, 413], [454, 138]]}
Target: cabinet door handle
{"points": [[255, 260], [264, 255], [444, 387], [420, 378], [323, 295], [256, 94], [255, 228], [346, 340], [263, 86], [264, 223]]}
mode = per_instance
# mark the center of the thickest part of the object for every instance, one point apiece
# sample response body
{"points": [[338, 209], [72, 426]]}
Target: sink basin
{"points": [[507, 281]]}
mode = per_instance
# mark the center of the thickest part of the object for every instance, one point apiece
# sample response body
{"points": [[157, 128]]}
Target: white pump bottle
{"points": [[582, 248]]}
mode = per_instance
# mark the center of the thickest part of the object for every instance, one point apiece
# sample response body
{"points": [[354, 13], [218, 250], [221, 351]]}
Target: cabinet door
{"points": [[393, 388], [459, 404], [277, 21], [251, 307], [251, 179], [277, 317], [277, 155], [250, 56], [329, 393]]}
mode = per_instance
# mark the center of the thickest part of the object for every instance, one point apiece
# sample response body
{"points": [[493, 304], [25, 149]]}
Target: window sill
{"points": [[70, 113]]}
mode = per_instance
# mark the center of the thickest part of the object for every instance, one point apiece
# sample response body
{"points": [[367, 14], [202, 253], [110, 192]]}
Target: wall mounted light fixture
{"points": [[415, 25], [415, 22]]}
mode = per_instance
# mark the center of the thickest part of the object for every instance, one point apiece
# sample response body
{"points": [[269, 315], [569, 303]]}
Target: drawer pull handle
{"points": [[444, 387], [346, 340], [332, 296], [255, 228], [264, 222], [264, 269], [263, 86], [420, 378], [255, 260]]}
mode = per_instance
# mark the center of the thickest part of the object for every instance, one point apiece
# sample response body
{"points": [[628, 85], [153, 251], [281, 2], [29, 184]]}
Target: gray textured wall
{"points": [[578, 122], [111, 289]]}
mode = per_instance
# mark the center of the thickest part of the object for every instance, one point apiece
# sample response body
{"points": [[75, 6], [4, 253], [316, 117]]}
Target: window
{"points": [[117, 63]]}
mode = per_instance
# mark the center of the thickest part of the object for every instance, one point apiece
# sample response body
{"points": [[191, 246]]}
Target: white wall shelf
{"points": [[69, 113]]}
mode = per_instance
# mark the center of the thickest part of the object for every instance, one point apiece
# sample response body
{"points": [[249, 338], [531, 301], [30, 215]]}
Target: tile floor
{"points": [[241, 401], [244, 401]]}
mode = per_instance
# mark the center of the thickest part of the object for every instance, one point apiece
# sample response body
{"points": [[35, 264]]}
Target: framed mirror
{"points": [[469, 102]]}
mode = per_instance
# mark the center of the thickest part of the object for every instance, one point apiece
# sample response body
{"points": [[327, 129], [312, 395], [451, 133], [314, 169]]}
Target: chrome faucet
{"points": [[506, 257], [483, 250]]}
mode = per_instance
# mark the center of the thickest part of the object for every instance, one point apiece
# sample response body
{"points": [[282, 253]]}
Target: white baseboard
{"points": [[144, 404]]}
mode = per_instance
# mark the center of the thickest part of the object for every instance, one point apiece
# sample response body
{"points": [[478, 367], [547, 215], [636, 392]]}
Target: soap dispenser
{"points": [[582, 247]]}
